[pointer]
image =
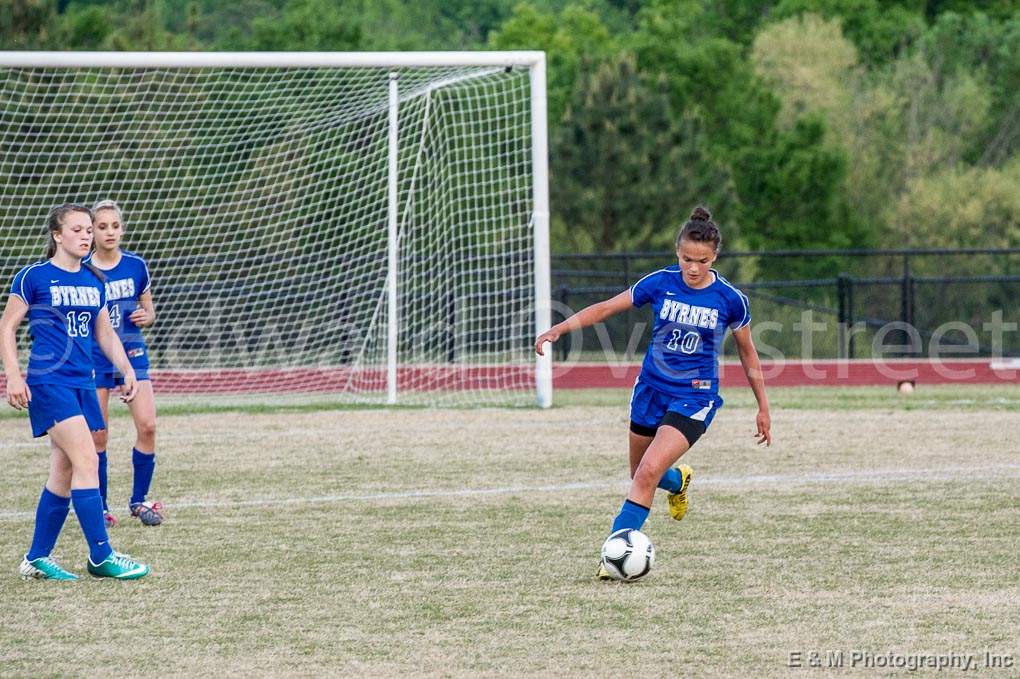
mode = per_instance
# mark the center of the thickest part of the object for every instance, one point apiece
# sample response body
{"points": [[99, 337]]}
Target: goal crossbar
{"points": [[40, 59]]}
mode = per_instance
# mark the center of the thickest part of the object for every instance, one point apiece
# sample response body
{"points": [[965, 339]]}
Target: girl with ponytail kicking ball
{"points": [[677, 393]]}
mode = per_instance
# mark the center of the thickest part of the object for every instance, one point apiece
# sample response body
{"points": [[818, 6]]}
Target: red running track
{"points": [[576, 376], [816, 373]]}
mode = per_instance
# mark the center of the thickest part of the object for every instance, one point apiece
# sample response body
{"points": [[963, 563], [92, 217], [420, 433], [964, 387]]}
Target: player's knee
{"points": [[60, 474], [147, 431], [85, 463], [62, 471], [100, 439], [646, 477], [85, 470], [59, 481]]}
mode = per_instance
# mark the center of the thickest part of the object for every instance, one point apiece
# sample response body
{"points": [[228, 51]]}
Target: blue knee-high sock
{"points": [[88, 505], [671, 481], [632, 515], [102, 479], [49, 519], [145, 465]]}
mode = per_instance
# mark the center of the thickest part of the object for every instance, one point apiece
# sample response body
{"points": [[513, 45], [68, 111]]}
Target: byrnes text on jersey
{"points": [[75, 295]]}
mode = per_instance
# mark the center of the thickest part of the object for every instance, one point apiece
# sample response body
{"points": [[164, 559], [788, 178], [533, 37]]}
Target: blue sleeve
{"points": [[144, 280], [23, 286], [643, 291], [739, 310]]}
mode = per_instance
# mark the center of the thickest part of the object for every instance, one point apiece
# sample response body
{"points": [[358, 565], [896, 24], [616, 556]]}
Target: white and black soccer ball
{"points": [[628, 554]]}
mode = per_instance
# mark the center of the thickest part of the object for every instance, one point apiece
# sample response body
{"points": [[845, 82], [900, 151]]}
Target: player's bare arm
{"points": [[145, 315], [752, 369], [18, 393], [586, 317], [108, 341]]}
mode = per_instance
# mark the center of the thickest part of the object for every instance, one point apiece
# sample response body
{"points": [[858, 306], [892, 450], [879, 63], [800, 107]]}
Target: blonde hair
{"points": [[108, 205]]}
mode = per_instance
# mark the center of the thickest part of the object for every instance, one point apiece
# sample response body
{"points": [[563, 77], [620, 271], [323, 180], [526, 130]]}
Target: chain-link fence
{"points": [[865, 303]]}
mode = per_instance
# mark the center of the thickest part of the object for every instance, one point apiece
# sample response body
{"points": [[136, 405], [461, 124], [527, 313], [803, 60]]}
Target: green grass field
{"points": [[458, 542]]}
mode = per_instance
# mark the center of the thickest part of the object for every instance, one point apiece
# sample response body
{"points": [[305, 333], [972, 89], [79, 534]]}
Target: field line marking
{"points": [[858, 477]]}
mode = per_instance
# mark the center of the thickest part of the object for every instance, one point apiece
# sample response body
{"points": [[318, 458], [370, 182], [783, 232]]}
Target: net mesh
{"points": [[259, 198]]}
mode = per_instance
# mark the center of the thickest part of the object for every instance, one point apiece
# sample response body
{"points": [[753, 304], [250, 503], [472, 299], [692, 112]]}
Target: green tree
{"points": [[811, 67], [87, 28], [910, 121], [574, 37], [880, 30], [1000, 9], [145, 28], [429, 24], [898, 123], [24, 24], [791, 192], [705, 73], [626, 168], [990, 50], [312, 25], [789, 183], [961, 207], [226, 25], [735, 20]]}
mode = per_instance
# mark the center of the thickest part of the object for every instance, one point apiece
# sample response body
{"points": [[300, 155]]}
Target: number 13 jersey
{"points": [[62, 311]]}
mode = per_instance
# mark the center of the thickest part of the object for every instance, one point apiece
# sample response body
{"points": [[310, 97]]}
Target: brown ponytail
{"points": [[96, 271], [54, 222]]}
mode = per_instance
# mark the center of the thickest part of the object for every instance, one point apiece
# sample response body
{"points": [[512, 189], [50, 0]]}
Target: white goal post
{"points": [[373, 225]]}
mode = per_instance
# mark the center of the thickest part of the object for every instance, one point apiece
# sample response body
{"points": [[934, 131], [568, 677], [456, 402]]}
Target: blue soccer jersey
{"points": [[62, 311], [125, 283], [689, 328]]}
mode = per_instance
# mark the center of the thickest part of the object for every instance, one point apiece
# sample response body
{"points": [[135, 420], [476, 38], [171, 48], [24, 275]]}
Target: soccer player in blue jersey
{"points": [[65, 302], [677, 393], [129, 301]]}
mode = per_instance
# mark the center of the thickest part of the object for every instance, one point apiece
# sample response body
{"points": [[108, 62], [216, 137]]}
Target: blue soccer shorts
{"points": [[53, 403], [649, 405]]}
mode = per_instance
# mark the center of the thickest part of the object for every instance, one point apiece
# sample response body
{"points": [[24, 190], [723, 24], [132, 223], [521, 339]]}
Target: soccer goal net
{"points": [[373, 226]]}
